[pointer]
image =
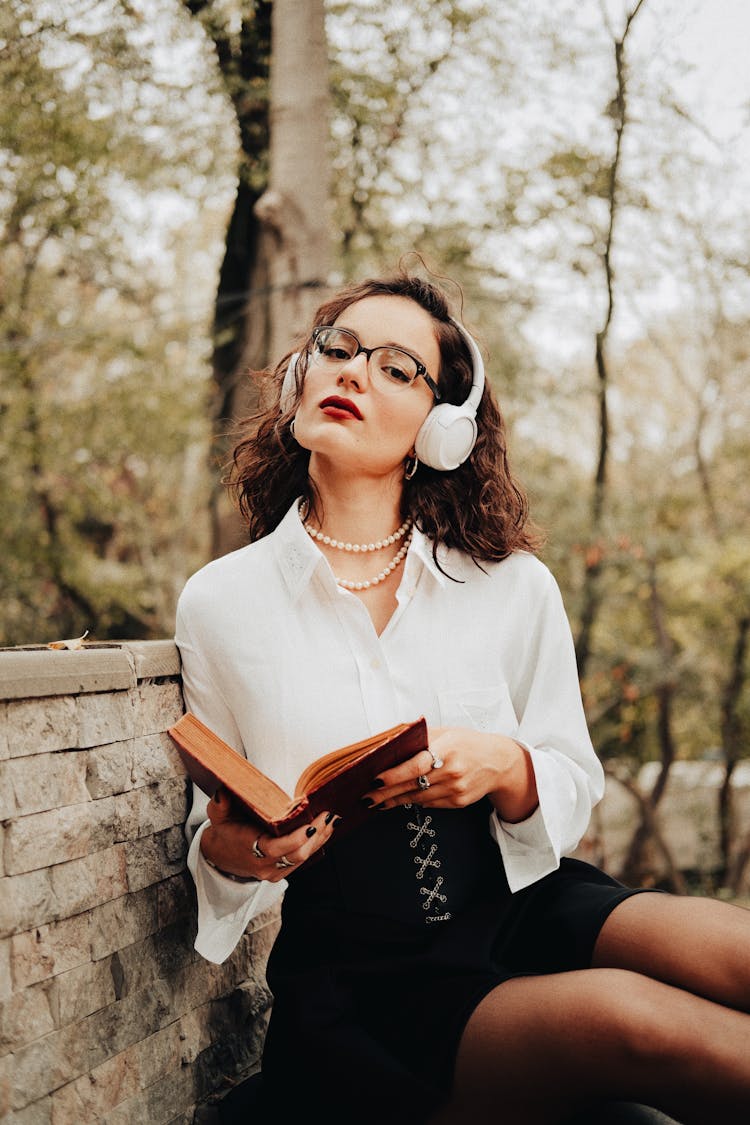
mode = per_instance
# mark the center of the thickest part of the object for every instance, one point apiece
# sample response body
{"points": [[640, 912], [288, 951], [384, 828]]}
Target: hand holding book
{"points": [[334, 783], [227, 844]]}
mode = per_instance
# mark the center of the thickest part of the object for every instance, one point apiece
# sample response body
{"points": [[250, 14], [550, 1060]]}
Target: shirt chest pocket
{"points": [[486, 709]]}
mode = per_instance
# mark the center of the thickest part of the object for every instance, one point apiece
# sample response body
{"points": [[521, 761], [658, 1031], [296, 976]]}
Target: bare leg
{"points": [[538, 1048], [698, 944]]}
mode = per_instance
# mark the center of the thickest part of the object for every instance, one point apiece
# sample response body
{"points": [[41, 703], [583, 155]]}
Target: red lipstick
{"points": [[336, 407]]}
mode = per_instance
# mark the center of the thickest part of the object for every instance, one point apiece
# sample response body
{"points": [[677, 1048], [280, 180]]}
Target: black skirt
{"points": [[387, 945]]}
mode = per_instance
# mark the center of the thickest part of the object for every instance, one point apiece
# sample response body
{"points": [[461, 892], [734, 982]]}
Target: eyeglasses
{"points": [[390, 368]]}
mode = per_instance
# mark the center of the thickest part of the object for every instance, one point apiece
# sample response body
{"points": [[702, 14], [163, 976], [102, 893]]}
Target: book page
{"points": [[335, 762]]}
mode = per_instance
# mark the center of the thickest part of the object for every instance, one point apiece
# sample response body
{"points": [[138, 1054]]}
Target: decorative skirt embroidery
{"points": [[431, 889]]}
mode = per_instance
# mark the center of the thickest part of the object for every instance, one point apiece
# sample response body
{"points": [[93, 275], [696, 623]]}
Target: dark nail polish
{"points": [[311, 830], [378, 783], [368, 802], [329, 817], [336, 821]]}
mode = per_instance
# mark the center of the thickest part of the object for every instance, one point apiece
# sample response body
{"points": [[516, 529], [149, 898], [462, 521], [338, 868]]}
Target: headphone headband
{"points": [[477, 363]]}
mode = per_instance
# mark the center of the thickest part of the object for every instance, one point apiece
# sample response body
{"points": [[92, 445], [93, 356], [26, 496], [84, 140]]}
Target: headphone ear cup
{"points": [[446, 437], [289, 385]]}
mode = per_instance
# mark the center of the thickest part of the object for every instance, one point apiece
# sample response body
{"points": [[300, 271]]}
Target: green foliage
{"points": [[93, 486]]}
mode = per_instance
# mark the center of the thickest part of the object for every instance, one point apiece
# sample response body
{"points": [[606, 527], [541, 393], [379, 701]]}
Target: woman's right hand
{"points": [[228, 841]]}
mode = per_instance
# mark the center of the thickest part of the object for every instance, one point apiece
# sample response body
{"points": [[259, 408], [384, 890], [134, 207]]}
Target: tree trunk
{"points": [[294, 211], [240, 346], [278, 246], [633, 866], [240, 306]]}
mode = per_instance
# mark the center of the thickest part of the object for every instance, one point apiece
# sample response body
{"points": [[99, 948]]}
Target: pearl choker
{"points": [[397, 559], [359, 547]]}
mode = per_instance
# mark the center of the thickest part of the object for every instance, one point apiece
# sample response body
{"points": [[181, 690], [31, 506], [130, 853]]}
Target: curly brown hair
{"points": [[478, 507]]}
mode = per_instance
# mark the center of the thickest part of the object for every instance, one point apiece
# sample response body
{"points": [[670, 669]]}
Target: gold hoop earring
{"points": [[411, 464]]}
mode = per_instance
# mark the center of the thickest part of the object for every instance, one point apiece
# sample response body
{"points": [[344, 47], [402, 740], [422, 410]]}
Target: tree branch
{"points": [[618, 111], [731, 738], [649, 818]]}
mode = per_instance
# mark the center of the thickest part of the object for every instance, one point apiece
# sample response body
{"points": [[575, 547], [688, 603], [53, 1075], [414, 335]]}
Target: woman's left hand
{"points": [[475, 764]]}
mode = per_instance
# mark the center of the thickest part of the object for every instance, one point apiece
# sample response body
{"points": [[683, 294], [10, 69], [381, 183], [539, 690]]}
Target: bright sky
{"points": [[700, 49], [711, 38], [715, 39]]}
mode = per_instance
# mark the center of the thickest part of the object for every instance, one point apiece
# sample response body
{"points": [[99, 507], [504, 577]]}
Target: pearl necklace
{"points": [[397, 559], [359, 547]]}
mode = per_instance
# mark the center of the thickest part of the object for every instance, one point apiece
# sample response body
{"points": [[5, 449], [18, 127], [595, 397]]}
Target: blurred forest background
{"points": [[181, 179]]}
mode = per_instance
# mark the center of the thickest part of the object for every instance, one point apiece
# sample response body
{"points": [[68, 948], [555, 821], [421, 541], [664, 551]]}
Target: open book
{"points": [[333, 783]]}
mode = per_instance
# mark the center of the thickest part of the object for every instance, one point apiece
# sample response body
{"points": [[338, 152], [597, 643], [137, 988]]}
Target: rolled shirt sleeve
{"points": [[552, 727], [225, 908]]}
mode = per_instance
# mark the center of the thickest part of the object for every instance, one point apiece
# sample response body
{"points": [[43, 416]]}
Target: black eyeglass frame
{"points": [[421, 369]]}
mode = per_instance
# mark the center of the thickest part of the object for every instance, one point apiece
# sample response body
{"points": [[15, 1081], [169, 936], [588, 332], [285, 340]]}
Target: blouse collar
{"points": [[299, 558]]}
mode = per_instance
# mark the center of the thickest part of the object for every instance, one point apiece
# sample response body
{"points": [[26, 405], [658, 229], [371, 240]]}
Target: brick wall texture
{"points": [[106, 1012]]}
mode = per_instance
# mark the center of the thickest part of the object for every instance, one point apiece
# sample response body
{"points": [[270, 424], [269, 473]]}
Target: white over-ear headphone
{"points": [[448, 433]]}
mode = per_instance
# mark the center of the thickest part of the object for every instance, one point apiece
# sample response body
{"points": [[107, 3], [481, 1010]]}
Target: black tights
{"points": [[660, 1018]]}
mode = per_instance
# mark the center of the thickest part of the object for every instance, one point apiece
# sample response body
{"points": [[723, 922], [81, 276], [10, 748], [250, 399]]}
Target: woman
{"points": [[434, 964]]}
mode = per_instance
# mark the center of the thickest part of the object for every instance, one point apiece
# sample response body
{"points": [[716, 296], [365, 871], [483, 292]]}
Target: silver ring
{"points": [[436, 762], [422, 782], [256, 848], [284, 862]]}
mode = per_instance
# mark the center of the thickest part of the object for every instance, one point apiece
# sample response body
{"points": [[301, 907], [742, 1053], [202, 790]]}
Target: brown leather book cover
{"points": [[333, 783]]}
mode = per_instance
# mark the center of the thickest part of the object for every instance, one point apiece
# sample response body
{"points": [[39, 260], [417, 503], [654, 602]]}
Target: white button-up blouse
{"points": [[285, 665]]}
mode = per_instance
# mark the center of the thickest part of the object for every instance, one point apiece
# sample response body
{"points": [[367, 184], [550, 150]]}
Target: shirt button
{"points": [[375, 664]]}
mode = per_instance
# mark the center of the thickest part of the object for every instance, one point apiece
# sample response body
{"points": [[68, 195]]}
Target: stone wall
{"points": [[106, 1012]]}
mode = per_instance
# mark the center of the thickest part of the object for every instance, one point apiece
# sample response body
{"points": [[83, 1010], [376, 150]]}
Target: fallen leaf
{"points": [[75, 643]]}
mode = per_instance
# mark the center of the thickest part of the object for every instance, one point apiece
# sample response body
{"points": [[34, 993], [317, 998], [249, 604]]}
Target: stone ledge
{"points": [[32, 673], [153, 659]]}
